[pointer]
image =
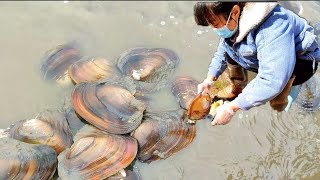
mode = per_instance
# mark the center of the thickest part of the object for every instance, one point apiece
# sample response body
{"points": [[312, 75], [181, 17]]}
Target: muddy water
{"points": [[257, 144]]}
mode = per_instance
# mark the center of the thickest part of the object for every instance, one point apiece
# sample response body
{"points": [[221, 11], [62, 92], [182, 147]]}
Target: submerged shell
{"points": [[184, 88], [199, 107], [56, 62], [150, 67], [19, 160], [49, 128], [96, 155], [162, 134], [90, 70], [109, 105]]}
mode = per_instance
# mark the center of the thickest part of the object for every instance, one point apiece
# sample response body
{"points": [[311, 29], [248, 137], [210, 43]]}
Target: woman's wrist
{"points": [[234, 106], [211, 78]]}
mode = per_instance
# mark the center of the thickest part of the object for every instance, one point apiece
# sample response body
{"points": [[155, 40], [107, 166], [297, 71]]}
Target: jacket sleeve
{"points": [[218, 62], [277, 57]]}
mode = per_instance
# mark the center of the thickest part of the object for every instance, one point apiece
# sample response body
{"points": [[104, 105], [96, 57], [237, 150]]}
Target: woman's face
{"points": [[218, 20]]}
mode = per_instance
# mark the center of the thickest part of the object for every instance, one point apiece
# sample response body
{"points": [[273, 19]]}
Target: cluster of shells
{"points": [[105, 125]]}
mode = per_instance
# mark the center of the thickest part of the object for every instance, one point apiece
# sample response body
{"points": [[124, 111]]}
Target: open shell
{"points": [[162, 134], [150, 67], [184, 88], [199, 107], [96, 155], [49, 128], [56, 62], [109, 105], [90, 70], [19, 160]]}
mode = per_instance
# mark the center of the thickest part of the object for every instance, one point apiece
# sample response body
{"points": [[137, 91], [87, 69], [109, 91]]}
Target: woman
{"points": [[262, 37]]}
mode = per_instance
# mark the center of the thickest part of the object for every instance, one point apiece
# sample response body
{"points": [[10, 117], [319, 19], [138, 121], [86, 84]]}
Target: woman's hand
{"points": [[205, 86], [224, 113]]}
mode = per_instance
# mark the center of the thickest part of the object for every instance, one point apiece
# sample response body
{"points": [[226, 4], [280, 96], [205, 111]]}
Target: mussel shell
{"points": [[199, 107], [90, 70], [56, 62], [152, 67], [50, 127], [184, 89], [109, 105], [162, 134], [19, 160], [96, 155]]}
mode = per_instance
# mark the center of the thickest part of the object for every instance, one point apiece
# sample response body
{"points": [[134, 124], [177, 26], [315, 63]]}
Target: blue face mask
{"points": [[224, 31]]}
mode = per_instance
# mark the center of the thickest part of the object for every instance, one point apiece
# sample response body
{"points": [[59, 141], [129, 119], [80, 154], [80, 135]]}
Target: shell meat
{"points": [[184, 88], [126, 174], [19, 160], [199, 107], [162, 134], [150, 67], [109, 105], [96, 155]]}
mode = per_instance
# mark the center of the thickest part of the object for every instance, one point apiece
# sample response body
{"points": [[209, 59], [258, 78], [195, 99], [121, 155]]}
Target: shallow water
{"points": [[257, 144]]}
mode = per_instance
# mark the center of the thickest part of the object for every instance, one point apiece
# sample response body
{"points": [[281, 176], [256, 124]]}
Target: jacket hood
{"points": [[252, 15]]}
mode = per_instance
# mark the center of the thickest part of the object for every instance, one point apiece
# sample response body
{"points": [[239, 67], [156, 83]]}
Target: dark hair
{"points": [[203, 10]]}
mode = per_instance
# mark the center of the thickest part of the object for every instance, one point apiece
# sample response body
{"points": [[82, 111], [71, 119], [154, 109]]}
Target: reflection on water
{"points": [[257, 144]]}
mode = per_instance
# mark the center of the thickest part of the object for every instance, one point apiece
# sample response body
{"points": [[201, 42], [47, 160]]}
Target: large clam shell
{"points": [[162, 134], [199, 107], [19, 160], [151, 67], [96, 155], [90, 70], [109, 105], [56, 62], [48, 127], [184, 88]]}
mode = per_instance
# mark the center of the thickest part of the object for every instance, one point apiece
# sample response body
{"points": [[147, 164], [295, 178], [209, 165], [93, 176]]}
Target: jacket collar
{"points": [[253, 14]]}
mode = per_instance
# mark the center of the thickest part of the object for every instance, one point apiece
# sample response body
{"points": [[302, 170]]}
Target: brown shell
{"points": [[108, 105], [96, 155], [150, 67], [19, 160], [56, 62], [184, 88], [90, 70], [49, 128], [162, 134], [199, 107]]}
